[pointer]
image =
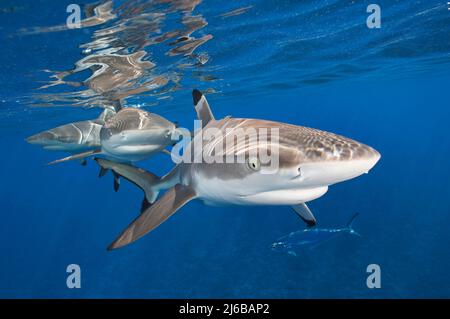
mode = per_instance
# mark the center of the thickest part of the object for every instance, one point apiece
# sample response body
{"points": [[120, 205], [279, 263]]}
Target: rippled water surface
{"points": [[312, 63]]}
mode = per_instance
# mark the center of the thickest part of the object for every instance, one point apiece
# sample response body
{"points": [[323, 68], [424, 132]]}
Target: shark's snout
{"points": [[364, 160], [335, 171], [41, 138], [371, 159]]}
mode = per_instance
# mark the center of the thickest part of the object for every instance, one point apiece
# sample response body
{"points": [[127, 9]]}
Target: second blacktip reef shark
{"points": [[134, 134], [130, 135], [74, 137], [310, 161]]}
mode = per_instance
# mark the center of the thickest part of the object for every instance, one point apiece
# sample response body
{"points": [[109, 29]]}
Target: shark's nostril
{"points": [[299, 173], [299, 170]]}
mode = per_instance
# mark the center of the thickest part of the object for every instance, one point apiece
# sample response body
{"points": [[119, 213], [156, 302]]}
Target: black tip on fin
{"points": [[102, 172], [145, 204], [84, 162], [116, 181], [309, 223], [305, 214], [196, 95]]}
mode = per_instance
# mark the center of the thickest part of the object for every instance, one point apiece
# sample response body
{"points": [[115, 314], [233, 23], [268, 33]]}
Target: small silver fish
{"points": [[311, 237]]}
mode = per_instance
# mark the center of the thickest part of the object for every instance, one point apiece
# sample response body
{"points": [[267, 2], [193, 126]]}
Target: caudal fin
{"points": [[141, 178], [349, 225]]}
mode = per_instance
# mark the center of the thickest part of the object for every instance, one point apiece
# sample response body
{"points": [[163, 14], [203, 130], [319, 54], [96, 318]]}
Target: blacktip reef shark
{"points": [[310, 161], [74, 137], [311, 237], [128, 136], [134, 134]]}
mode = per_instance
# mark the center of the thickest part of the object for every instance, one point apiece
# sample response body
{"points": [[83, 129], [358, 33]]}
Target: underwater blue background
{"points": [[311, 63]]}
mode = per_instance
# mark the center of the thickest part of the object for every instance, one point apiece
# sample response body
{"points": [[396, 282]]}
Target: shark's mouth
{"points": [[284, 196]]}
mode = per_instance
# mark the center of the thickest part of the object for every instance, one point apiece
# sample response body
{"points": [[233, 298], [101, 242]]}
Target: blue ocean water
{"points": [[311, 63]]}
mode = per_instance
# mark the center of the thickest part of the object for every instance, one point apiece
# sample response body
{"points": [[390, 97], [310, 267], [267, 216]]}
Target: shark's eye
{"points": [[254, 164]]}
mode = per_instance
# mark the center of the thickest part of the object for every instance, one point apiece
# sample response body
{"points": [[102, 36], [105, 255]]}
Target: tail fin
{"points": [[349, 225], [141, 178]]}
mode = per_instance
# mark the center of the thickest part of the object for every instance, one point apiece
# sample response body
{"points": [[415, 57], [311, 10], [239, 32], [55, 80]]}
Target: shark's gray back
{"points": [[311, 144], [133, 119], [296, 144]]}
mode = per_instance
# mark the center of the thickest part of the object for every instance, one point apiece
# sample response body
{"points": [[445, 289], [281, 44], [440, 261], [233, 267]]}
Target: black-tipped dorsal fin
{"points": [[304, 213], [202, 107], [155, 215]]}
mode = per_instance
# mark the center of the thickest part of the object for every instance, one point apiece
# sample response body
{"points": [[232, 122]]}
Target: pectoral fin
{"points": [[304, 213], [155, 215], [79, 156]]}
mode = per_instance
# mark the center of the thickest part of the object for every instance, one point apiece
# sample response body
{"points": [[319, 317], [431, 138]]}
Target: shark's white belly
{"points": [[218, 192], [134, 145], [131, 152]]}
